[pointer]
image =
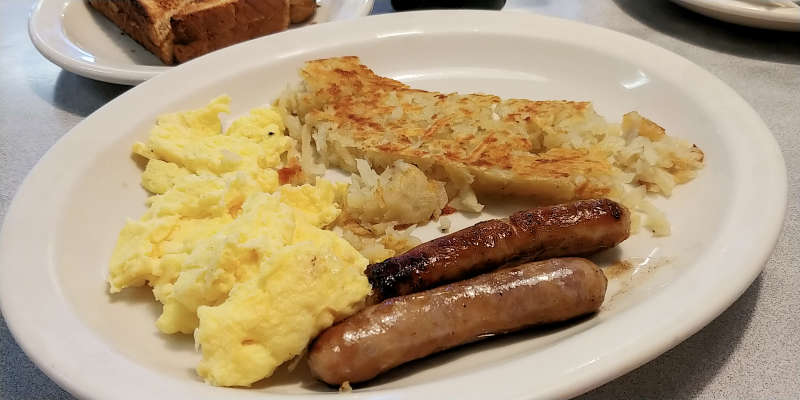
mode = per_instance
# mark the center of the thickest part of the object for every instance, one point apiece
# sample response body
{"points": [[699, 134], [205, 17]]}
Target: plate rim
{"points": [[589, 376], [763, 19], [45, 13]]}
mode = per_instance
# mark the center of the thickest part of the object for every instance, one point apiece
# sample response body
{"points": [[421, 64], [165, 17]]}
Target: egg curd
{"points": [[239, 260]]}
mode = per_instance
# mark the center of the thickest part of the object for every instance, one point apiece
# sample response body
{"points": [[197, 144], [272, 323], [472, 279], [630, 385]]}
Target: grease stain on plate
{"points": [[625, 274]]}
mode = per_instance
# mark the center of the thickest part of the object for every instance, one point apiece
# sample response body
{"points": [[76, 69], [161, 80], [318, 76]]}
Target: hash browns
{"points": [[548, 151]]}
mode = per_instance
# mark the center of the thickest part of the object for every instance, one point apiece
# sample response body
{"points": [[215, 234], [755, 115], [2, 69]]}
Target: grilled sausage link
{"points": [[578, 228], [405, 328]]}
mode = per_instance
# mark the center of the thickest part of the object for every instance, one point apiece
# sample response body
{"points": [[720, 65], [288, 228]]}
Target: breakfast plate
{"points": [[61, 227], [75, 37], [758, 14]]}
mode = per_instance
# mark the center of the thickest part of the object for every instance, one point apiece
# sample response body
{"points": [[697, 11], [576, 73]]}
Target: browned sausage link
{"points": [[405, 328], [571, 229]]}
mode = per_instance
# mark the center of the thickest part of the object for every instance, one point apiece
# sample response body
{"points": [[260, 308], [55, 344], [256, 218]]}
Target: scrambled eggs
{"points": [[239, 260]]}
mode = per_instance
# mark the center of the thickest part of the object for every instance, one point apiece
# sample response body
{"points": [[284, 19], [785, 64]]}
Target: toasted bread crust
{"points": [[302, 10], [179, 30], [141, 20]]}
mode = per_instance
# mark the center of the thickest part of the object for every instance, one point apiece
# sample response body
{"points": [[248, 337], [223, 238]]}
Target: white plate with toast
{"points": [[76, 37], [766, 14], [61, 227]]}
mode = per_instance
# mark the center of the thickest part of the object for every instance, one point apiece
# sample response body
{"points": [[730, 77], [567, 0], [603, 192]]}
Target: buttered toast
{"points": [[179, 30]]}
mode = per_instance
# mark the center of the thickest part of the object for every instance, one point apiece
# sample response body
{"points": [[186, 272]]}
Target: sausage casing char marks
{"points": [[401, 329], [578, 228]]}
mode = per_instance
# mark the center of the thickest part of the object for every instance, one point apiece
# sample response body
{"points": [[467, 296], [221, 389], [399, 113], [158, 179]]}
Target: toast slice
{"points": [[550, 151], [179, 30], [146, 21], [302, 10], [205, 26]]}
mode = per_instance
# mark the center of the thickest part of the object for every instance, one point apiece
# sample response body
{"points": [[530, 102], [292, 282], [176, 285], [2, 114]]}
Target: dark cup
{"points": [[405, 5]]}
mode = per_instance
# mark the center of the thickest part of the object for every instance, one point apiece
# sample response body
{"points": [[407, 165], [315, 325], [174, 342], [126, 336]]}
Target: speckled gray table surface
{"points": [[750, 351]]}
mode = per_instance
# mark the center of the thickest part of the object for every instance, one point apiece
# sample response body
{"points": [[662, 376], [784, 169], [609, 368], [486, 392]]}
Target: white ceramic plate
{"points": [[747, 13], [79, 39], [63, 223]]}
